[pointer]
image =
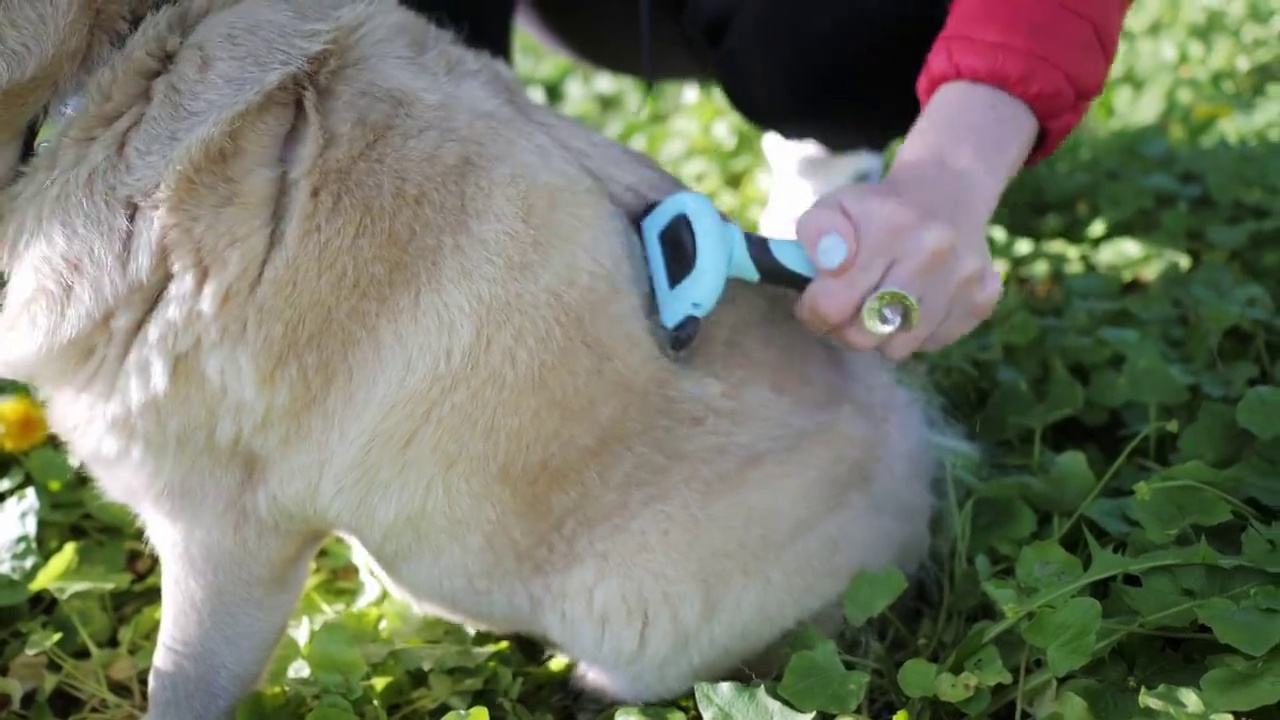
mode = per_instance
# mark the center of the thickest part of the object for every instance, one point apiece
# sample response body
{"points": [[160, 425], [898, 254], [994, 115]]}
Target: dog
{"points": [[298, 268]]}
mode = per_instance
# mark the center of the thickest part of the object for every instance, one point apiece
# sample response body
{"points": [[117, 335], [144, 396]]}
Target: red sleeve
{"points": [[1054, 55]]}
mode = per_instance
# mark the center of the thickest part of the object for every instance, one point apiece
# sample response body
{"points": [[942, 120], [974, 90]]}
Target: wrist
{"points": [[968, 144]]}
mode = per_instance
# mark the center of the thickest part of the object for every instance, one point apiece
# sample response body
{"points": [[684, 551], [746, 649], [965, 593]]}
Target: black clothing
{"points": [[839, 71]]}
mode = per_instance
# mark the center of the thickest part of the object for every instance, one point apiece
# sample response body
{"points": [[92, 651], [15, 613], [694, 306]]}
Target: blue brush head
{"points": [[692, 252], [689, 253]]}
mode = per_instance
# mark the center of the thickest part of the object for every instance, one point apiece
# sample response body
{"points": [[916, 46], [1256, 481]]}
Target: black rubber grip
{"points": [[772, 271], [679, 246]]}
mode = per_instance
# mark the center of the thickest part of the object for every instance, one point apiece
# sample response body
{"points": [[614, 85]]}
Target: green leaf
{"points": [[976, 703], [1158, 599], [1259, 411], [264, 703], [1069, 706], [1261, 545], [55, 567], [871, 592], [1103, 561], [1071, 480], [1241, 686], [1179, 703], [1255, 475], [48, 466], [988, 667], [1067, 634], [1064, 396], [1044, 564], [1105, 699], [1267, 598], [916, 677], [816, 680], [1150, 378], [1230, 380], [951, 688], [1213, 437], [1245, 627], [1006, 405], [12, 691], [1017, 329], [999, 522], [735, 701], [1111, 514], [334, 656], [66, 574], [1166, 509], [287, 653]]}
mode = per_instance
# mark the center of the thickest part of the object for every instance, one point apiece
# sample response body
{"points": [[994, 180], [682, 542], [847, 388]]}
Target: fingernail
{"points": [[832, 251]]}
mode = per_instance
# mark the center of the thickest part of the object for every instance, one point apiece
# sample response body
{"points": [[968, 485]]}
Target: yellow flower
{"points": [[22, 424], [902, 715]]}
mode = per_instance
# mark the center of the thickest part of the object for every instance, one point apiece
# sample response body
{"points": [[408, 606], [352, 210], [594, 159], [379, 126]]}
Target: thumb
{"points": [[828, 237]]}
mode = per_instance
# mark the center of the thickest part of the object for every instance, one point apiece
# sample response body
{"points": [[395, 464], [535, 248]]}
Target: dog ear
{"points": [[45, 47], [277, 47]]}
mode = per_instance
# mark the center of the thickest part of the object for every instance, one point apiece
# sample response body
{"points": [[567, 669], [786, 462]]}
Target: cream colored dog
{"points": [[302, 267]]}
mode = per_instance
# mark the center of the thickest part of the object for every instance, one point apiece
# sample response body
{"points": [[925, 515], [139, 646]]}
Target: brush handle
{"points": [[779, 262]]}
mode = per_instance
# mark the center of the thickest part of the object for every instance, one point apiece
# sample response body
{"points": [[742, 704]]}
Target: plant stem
{"points": [[1022, 680], [1237, 504], [1042, 676], [1097, 489]]}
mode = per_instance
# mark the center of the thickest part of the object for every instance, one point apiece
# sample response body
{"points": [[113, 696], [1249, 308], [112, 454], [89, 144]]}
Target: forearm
{"points": [[1054, 55], [970, 140]]}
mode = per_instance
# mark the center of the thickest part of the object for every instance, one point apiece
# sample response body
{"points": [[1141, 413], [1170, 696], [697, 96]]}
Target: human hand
{"points": [[922, 230], [865, 238]]}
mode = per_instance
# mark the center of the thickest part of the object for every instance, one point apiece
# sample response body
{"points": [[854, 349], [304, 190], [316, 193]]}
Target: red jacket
{"points": [[1052, 54]]}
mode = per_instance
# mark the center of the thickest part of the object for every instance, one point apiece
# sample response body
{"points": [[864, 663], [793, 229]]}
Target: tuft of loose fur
{"points": [[304, 267]]}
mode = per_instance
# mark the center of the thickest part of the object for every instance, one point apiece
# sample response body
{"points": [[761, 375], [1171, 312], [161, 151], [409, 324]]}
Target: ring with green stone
{"points": [[889, 310]]}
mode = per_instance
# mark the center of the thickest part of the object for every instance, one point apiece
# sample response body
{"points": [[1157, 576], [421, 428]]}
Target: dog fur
{"points": [[304, 267]]}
